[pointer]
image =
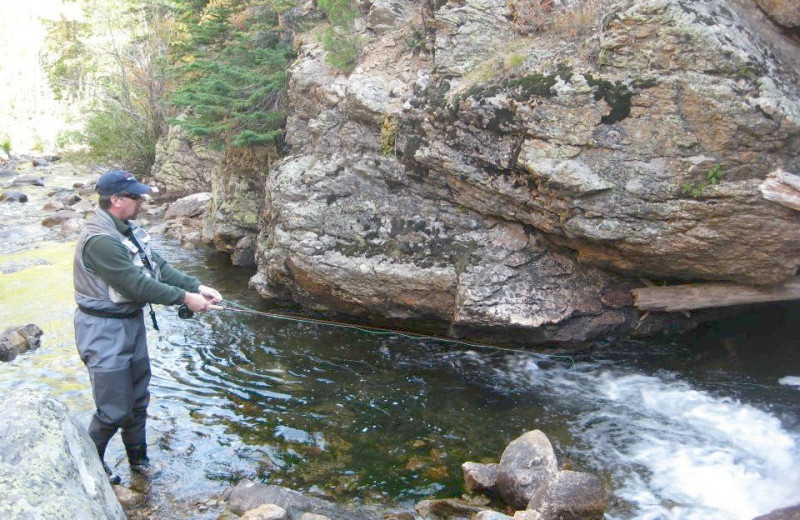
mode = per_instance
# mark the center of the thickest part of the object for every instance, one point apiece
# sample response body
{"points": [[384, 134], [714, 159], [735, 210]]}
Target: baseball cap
{"points": [[117, 181]]}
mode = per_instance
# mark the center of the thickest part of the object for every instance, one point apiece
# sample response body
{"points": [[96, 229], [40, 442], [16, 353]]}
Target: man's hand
{"points": [[211, 295], [196, 302]]}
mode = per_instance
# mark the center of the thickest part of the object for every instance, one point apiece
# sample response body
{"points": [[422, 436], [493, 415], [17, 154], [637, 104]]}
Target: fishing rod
{"points": [[185, 313]]}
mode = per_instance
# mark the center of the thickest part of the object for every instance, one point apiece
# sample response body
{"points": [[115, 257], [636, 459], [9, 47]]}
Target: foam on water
{"points": [[673, 452], [790, 381]]}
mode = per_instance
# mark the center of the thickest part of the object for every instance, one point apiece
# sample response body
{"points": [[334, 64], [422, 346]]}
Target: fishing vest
{"points": [[94, 294]]}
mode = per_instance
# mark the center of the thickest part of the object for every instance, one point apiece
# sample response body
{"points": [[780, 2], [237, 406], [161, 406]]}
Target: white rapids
{"points": [[672, 451]]}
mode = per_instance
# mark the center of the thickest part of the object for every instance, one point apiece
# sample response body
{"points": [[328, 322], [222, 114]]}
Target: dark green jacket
{"points": [[109, 258]]}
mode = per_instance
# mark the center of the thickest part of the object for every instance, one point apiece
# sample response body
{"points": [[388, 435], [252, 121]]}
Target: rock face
{"points": [[48, 465], [493, 166], [183, 165], [238, 198]]}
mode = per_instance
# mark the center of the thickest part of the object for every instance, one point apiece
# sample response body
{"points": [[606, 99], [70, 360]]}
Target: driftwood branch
{"points": [[782, 187], [704, 295]]}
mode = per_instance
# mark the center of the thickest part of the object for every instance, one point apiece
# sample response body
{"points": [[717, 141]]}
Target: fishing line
{"points": [[229, 306]]}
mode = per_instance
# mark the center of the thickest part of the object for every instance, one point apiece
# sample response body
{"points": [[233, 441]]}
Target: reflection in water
{"points": [[680, 429]]}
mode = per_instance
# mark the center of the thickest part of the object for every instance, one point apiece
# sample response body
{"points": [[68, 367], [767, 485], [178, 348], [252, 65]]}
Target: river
{"points": [[705, 426]]}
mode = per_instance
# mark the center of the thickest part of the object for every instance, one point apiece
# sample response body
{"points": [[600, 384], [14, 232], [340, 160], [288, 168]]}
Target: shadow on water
{"points": [[692, 427]]}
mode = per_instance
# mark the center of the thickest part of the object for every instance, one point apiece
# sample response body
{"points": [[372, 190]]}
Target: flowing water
{"points": [[704, 427]]}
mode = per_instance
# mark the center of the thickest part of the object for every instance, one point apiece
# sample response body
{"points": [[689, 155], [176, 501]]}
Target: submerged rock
{"points": [[248, 495], [60, 217], [448, 508]]}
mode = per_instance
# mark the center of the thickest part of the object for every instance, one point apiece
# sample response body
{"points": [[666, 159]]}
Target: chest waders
{"points": [[112, 343]]}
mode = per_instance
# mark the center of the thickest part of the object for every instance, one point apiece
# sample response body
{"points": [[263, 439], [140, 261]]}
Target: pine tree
{"points": [[233, 82]]}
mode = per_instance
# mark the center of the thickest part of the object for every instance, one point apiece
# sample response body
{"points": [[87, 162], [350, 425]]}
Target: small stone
{"points": [[13, 196], [265, 512], [313, 516], [128, 497]]}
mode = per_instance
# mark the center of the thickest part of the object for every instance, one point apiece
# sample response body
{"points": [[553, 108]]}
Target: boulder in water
{"points": [[448, 508], [28, 180], [248, 495], [13, 196], [266, 512], [479, 478], [60, 216], [18, 340], [571, 494], [526, 466]]}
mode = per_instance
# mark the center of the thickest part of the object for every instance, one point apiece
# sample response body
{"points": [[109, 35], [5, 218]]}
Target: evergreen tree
{"points": [[233, 82]]}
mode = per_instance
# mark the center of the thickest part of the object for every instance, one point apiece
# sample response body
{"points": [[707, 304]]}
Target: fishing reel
{"points": [[185, 312]]}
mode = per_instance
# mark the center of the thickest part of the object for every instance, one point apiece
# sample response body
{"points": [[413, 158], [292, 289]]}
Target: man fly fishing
{"points": [[115, 274]]}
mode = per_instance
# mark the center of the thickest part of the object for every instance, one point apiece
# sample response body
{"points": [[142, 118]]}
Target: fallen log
{"points": [[782, 187], [692, 296]]}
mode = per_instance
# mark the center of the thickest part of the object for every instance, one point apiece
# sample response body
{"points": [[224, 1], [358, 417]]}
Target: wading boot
{"points": [[113, 478], [137, 458]]}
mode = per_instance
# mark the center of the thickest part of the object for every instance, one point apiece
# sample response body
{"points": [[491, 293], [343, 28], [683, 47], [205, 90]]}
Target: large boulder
{"points": [[48, 465], [18, 340], [526, 467], [528, 180]]}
